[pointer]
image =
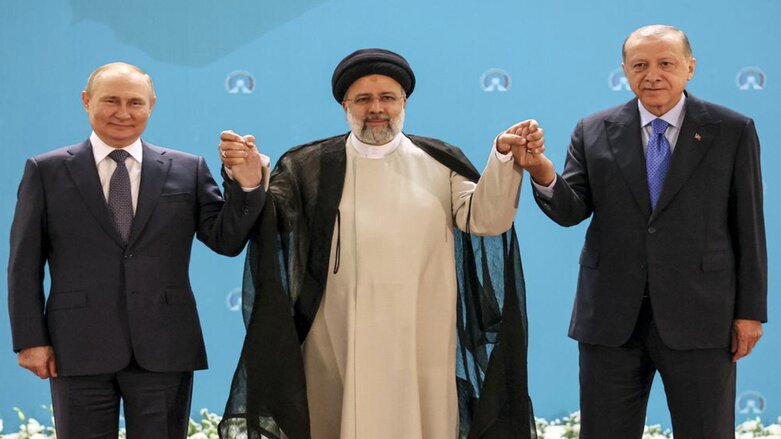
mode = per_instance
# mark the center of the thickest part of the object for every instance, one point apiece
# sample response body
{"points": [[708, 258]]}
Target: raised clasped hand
{"points": [[526, 140], [240, 155]]}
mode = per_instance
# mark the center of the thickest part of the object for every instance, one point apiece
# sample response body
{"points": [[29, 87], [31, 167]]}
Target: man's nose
{"points": [[652, 75], [374, 105], [122, 112]]}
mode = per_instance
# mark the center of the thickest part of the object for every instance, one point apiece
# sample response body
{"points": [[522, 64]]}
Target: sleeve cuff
{"points": [[503, 158], [265, 162], [545, 192]]}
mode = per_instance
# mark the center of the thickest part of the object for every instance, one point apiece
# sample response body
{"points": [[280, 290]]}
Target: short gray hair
{"points": [[659, 30]]}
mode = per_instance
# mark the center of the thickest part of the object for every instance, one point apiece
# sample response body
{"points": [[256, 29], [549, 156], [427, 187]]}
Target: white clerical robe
{"points": [[380, 355]]}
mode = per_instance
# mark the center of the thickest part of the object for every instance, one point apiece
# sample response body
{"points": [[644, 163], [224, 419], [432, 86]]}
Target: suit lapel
{"points": [[697, 133], [624, 138], [154, 170], [82, 170]]}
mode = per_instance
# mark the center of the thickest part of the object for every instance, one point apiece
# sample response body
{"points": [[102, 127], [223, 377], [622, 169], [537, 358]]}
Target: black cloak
{"points": [[284, 279]]}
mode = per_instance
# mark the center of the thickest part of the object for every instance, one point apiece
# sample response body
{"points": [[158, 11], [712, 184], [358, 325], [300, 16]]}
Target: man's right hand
{"points": [[39, 360], [527, 143]]}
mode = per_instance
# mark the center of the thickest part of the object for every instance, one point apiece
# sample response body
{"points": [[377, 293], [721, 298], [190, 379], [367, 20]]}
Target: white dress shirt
{"points": [[106, 165]]}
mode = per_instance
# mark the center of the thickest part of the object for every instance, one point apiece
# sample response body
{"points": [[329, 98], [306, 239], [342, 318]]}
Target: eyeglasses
{"points": [[384, 99]]}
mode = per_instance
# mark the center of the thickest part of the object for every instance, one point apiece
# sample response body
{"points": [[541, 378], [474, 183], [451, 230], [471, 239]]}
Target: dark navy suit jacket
{"points": [[701, 253], [108, 300]]}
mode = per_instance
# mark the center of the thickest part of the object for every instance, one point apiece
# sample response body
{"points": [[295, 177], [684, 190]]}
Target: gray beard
{"points": [[375, 136]]}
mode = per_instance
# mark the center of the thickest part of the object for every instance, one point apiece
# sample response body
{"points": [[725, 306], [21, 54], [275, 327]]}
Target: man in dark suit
{"points": [[114, 218], [673, 274]]}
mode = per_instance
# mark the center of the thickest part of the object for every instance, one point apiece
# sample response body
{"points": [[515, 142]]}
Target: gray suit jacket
{"points": [[109, 301], [701, 252]]}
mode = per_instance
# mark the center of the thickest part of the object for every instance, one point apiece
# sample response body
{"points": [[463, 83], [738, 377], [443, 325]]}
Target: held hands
{"points": [[745, 335], [240, 155], [39, 360], [527, 143]]}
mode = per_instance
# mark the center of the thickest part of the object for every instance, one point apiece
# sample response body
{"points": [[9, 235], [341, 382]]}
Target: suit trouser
{"points": [[156, 404], [615, 383]]}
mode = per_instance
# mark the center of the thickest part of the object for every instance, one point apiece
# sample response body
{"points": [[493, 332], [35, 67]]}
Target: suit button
{"points": [[651, 230], [129, 255], [643, 265]]}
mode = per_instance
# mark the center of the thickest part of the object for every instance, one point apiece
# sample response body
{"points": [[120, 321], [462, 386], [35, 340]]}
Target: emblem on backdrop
{"points": [[617, 80], [233, 300], [240, 81], [495, 80], [750, 78], [751, 403]]}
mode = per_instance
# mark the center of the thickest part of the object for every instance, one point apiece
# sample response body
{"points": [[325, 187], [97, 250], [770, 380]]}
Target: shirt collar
{"points": [[101, 150], [674, 116], [375, 151]]}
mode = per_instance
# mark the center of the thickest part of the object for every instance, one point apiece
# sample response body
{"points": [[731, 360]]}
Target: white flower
{"points": [[555, 432], [34, 427], [199, 435], [751, 425]]}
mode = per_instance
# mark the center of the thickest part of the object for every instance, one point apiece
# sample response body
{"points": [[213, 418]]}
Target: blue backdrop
{"points": [[264, 67]]}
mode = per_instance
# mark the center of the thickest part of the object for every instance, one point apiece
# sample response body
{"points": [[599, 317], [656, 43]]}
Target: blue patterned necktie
{"points": [[657, 159], [120, 202]]}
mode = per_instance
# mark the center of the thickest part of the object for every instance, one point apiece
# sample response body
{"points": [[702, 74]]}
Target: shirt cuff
{"points": [[545, 192], [265, 161]]}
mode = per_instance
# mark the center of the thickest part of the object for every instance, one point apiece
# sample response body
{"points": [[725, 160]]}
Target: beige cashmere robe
{"points": [[380, 356]]}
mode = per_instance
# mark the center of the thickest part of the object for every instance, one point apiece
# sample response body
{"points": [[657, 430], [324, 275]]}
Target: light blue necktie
{"points": [[657, 159]]}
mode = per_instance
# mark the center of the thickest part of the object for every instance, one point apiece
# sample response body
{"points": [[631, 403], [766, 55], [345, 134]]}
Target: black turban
{"points": [[366, 62]]}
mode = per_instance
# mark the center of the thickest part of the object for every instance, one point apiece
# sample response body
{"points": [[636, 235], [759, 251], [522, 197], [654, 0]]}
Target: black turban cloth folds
{"points": [[365, 62]]}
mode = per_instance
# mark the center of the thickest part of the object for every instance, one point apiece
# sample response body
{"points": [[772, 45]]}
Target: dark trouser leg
{"points": [[614, 386], [700, 389], [157, 404], [86, 407]]}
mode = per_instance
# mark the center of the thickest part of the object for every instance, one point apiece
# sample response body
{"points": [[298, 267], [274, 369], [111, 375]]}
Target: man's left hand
{"points": [[745, 335], [241, 156]]}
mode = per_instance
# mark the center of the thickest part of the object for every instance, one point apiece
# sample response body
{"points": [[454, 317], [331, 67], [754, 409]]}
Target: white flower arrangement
{"points": [[566, 428], [569, 428], [31, 428]]}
